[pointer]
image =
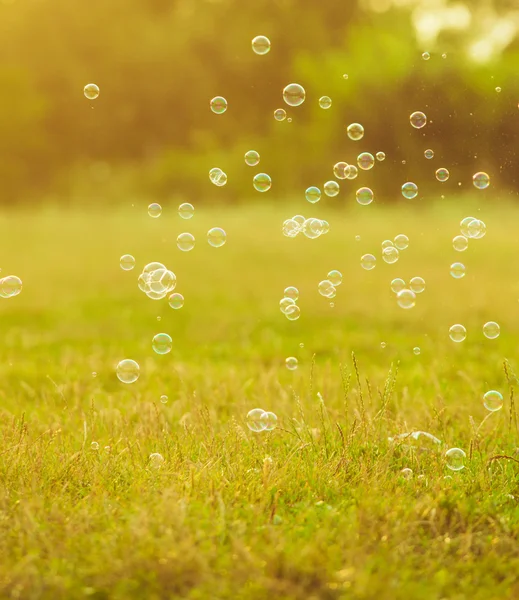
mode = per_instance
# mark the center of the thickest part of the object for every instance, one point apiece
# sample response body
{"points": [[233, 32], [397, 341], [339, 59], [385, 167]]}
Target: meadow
{"points": [[319, 508]]}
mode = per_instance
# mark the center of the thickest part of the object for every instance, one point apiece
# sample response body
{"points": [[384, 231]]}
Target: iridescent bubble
{"points": [[216, 237], [418, 120], [493, 401], [291, 363], [381, 156], [127, 262], [91, 91], [10, 286], [409, 190], [254, 422], [291, 228], [331, 188], [401, 241], [477, 229], [155, 210], [176, 301], [162, 343], [218, 105], [397, 285], [406, 299], [442, 174], [313, 194], [291, 292], [294, 94], [481, 180], [390, 255], [426, 56], [365, 160], [269, 420], [280, 114], [285, 303], [325, 102], [164, 399], [368, 262], [186, 210], [218, 177], [464, 226], [127, 371], [326, 289], [457, 333], [416, 351], [364, 196], [261, 45], [262, 182], [460, 243], [386, 244], [335, 277], [417, 285], [292, 313], [458, 270], [352, 172], [455, 458], [312, 228], [340, 170], [156, 460], [186, 242], [491, 330], [429, 154], [355, 131], [252, 158]]}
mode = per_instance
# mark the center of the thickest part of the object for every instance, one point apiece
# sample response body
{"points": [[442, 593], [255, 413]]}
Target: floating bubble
{"points": [[156, 460], [291, 228], [280, 114], [386, 244], [491, 330], [418, 120], [326, 289], [365, 160], [262, 182], [381, 156], [464, 226], [331, 188], [407, 473], [269, 420], [325, 227], [457, 333], [127, 262], [397, 285], [218, 105], [335, 277], [368, 262], [352, 172], [429, 154], [460, 243], [357, 238], [493, 401], [477, 229], [94, 445], [254, 422], [355, 131], [458, 270], [406, 299], [186, 242], [340, 170], [91, 91], [442, 174], [312, 228], [426, 56], [416, 351], [401, 241], [292, 313], [216, 237], [291, 292], [284, 303], [10, 286], [127, 371], [294, 94], [409, 190], [176, 301], [291, 363], [261, 45], [162, 343], [313, 194], [252, 158], [481, 180], [164, 399], [364, 196], [383, 345], [390, 255], [218, 177], [498, 89], [186, 210], [455, 459], [417, 285], [325, 102], [345, 76], [299, 219], [155, 210]]}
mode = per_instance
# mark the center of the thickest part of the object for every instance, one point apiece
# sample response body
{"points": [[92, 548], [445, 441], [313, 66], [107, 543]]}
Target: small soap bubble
{"points": [[252, 158], [357, 238], [127, 371], [406, 299], [401, 241], [326, 289], [331, 188], [291, 228], [294, 94], [162, 343], [352, 172], [186, 242], [94, 374], [291, 292], [269, 420], [455, 458], [481, 180], [444, 55], [407, 473], [301, 345], [416, 351], [155, 210], [345, 76], [386, 244], [262, 182], [313, 228], [176, 301], [285, 303], [218, 177], [409, 190], [381, 156], [464, 226], [94, 445], [10, 286], [254, 422], [261, 45], [442, 174], [476, 229], [313, 194], [164, 399], [390, 255], [429, 154], [325, 102], [127, 262], [491, 330], [325, 226], [368, 262], [498, 89], [340, 170], [460, 243], [426, 56], [417, 285], [383, 345], [457, 333], [156, 460], [292, 313], [216, 237], [418, 120], [291, 363], [493, 401], [335, 277], [397, 285], [186, 210], [280, 114], [458, 270], [91, 91], [355, 131], [365, 160], [364, 196], [218, 105]]}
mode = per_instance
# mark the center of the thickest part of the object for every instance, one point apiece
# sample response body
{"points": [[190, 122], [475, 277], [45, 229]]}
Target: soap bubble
{"points": [[299, 219], [261, 45], [491, 330], [368, 262], [291, 228], [269, 420], [335, 277], [176, 301], [406, 299], [458, 270], [352, 172], [345, 76], [418, 120], [164, 399], [312, 228], [254, 422], [313, 194], [285, 303], [397, 285], [493, 401], [365, 160], [325, 102], [364, 196], [442, 174], [464, 226], [91, 91], [455, 458], [10, 286], [262, 182], [252, 158], [426, 56], [186, 242], [218, 177], [216, 237], [401, 241], [477, 229], [162, 343], [292, 313], [156, 460], [155, 210], [409, 190], [291, 363], [127, 262], [325, 226], [390, 255], [481, 180], [218, 105], [127, 371], [460, 243], [331, 188], [381, 156], [340, 170], [416, 351], [280, 114], [355, 131], [291, 292], [429, 154], [386, 244], [294, 94], [417, 285], [326, 289], [94, 445], [457, 333], [186, 210]]}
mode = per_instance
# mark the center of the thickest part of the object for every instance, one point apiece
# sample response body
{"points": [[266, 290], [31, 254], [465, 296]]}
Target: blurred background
{"points": [[158, 63]]}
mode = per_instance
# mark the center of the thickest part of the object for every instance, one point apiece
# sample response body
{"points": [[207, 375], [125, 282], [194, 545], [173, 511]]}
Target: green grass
{"points": [[317, 509]]}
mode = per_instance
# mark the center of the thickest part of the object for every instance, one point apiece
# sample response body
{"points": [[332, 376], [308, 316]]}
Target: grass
{"points": [[317, 509]]}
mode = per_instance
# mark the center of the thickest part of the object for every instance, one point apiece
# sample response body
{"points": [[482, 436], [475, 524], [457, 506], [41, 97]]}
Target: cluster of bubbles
{"points": [[390, 252], [288, 304], [312, 228], [328, 287], [261, 420], [156, 281], [470, 228], [458, 333], [406, 294], [10, 286]]}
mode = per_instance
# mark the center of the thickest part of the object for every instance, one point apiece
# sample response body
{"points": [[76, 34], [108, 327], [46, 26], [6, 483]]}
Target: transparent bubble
{"points": [[429, 154], [216, 237], [91, 91], [426, 56], [127, 262], [386, 244], [460, 243], [164, 399], [418, 120], [455, 458], [186, 210], [355, 131], [368, 262], [186, 242], [155, 210], [156, 460], [269, 420], [498, 89], [416, 351], [493, 401], [325, 226], [280, 114], [312, 228], [10, 286], [262, 182], [345, 76], [291, 292], [464, 226], [491, 330], [477, 229], [401, 241], [409, 190], [284, 303], [397, 285], [326, 289], [218, 177], [291, 363], [252, 158], [357, 238], [254, 422], [340, 170], [381, 156], [127, 371], [406, 299], [365, 160], [218, 105], [292, 313], [417, 285], [162, 343], [390, 255], [176, 301], [352, 172], [383, 345], [458, 270], [331, 188], [291, 228], [313, 194], [299, 219], [407, 473], [261, 45], [335, 277], [364, 196], [444, 55], [325, 102], [442, 174], [457, 333], [481, 180], [94, 445], [294, 94]]}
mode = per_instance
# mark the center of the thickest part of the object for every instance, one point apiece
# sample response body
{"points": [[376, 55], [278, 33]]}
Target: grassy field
{"points": [[318, 508]]}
